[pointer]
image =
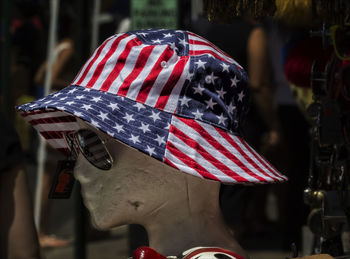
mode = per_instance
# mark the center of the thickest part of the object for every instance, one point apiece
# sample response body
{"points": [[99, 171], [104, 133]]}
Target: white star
{"points": [[211, 56], [150, 150], [110, 133], [157, 41], [61, 108], [197, 115], [221, 119], [134, 139], [78, 114], [47, 102], [72, 91], [183, 42], [189, 76], [103, 116], [95, 123], [210, 79], [63, 98], [87, 89], [96, 99], [57, 94], [231, 108], [225, 67], [142, 33], [113, 106], [70, 103], [167, 126], [234, 81], [160, 140], [198, 89], [118, 127], [167, 35], [184, 100], [139, 106], [200, 63], [210, 104], [221, 92], [240, 96], [173, 46], [86, 107], [144, 127], [155, 116], [129, 117], [79, 97]]}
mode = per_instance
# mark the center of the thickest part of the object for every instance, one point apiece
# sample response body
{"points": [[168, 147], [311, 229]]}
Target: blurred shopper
{"points": [[18, 237], [293, 155], [245, 40], [26, 55], [63, 72]]}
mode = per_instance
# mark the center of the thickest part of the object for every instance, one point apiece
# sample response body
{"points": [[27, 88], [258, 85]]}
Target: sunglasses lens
{"points": [[93, 149]]}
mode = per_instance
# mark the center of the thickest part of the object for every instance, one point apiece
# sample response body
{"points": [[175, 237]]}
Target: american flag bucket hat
{"points": [[168, 93]]}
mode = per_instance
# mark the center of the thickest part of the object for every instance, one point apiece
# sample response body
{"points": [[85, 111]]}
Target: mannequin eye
{"points": [[93, 149]]}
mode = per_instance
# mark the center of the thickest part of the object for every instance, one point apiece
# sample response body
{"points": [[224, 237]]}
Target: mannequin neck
{"points": [[192, 218]]}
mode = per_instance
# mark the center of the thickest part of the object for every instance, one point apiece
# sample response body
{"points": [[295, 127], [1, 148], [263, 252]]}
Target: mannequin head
{"points": [[137, 186], [179, 211]]}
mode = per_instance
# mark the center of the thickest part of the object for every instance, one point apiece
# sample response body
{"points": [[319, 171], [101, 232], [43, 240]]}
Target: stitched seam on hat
{"points": [[187, 50]]}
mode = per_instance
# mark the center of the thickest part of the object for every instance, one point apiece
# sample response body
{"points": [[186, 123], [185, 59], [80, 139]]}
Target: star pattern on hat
{"points": [[129, 119], [218, 96]]}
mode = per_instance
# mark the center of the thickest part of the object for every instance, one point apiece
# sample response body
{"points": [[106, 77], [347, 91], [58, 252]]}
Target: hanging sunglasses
{"points": [[92, 147], [341, 40]]}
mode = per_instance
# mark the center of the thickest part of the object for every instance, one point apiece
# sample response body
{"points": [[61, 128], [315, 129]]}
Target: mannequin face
{"points": [[132, 189]]}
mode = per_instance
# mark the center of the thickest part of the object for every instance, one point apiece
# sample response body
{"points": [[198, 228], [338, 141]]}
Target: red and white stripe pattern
{"points": [[200, 46], [203, 150], [125, 66], [52, 124]]}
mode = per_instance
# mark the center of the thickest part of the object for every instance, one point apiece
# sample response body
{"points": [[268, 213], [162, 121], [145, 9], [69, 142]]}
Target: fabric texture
{"points": [[170, 94]]}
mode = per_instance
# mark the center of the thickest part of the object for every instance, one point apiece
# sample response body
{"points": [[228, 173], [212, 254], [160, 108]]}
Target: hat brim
{"points": [[191, 146]]}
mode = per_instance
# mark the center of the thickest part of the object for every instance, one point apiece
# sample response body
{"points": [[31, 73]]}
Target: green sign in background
{"points": [[154, 14]]}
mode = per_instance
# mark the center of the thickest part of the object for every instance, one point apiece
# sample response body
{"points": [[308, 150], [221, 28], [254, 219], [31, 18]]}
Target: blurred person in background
{"points": [[27, 44], [245, 39], [292, 156], [63, 72], [18, 236]]}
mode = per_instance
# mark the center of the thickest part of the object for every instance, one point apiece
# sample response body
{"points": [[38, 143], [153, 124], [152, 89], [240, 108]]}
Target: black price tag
{"points": [[64, 180]]}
